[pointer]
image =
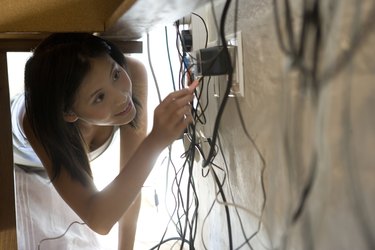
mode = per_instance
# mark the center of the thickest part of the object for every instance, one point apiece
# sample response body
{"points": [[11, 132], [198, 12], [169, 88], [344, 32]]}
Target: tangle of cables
{"points": [[304, 47], [184, 216]]}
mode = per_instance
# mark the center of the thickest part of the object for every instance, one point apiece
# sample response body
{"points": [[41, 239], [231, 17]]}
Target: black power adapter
{"points": [[214, 61], [187, 40]]}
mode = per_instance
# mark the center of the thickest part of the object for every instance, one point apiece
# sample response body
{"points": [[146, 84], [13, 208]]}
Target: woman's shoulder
{"points": [[138, 75], [134, 63], [136, 70]]}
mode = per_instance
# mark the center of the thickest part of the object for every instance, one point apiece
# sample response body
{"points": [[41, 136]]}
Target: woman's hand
{"points": [[172, 116]]}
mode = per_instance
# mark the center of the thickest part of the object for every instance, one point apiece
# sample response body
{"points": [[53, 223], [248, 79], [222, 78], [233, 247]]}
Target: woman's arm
{"points": [[106, 207], [101, 210]]}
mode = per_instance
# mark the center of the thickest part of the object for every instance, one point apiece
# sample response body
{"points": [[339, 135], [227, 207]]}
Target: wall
{"points": [[325, 134]]}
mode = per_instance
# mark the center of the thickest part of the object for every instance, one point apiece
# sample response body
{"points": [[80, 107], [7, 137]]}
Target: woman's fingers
{"points": [[175, 105], [179, 96], [194, 84], [182, 93], [178, 113], [173, 114], [184, 113]]}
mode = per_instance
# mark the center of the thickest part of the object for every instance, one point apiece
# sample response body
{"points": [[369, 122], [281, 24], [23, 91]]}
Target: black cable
{"points": [[229, 83], [289, 25], [200, 116], [177, 206], [306, 189], [186, 213], [190, 223], [239, 112], [218, 118], [214, 201], [232, 196], [279, 35], [207, 95], [62, 235], [190, 184], [205, 27], [191, 165], [178, 196], [311, 25], [352, 173], [181, 74], [169, 57], [299, 55], [361, 34], [186, 204], [215, 18], [311, 22], [229, 224], [165, 241], [151, 67]]}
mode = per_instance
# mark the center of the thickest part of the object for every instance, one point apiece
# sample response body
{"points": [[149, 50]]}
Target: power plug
{"points": [[214, 61]]}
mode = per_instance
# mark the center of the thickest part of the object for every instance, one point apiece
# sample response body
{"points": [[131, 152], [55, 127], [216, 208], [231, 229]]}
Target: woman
{"points": [[80, 90]]}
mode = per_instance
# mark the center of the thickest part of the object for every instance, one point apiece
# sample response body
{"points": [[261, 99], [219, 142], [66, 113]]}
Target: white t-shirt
{"points": [[43, 217]]}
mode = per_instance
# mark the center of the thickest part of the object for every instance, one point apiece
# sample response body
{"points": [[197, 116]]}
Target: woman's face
{"points": [[105, 95]]}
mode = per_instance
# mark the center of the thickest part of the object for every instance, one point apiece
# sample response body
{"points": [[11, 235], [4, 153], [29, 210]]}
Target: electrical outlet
{"points": [[235, 40]]}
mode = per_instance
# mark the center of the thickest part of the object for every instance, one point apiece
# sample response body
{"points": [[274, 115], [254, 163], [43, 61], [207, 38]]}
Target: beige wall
{"points": [[331, 130]]}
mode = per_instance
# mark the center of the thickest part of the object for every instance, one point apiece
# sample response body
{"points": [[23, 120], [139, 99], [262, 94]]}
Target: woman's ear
{"points": [[70, 116]]}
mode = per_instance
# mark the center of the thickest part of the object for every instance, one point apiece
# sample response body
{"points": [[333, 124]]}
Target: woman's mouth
{"points": [[126, 110]]}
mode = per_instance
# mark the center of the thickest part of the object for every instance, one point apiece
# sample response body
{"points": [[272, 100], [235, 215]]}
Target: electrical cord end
{"points": [[156, 200]]}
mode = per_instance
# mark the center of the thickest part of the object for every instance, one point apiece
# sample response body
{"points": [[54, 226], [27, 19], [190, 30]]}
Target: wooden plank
{"points": [[55, 15], [18, 45], [121, 9], [127, 46], [124, 19], [21, 44], [8, 237], [132, 19]]}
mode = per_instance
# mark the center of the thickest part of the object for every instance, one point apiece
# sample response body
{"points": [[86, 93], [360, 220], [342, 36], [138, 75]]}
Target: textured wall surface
{"points": [[316, 129]]}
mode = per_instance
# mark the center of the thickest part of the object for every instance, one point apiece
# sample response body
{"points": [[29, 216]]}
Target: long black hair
{"points": [[53, 75]]}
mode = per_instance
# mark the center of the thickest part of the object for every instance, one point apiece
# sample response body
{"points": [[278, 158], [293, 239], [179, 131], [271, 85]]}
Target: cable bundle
{"points": [[184, 216]]}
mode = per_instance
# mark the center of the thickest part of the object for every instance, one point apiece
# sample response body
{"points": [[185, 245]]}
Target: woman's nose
{"points": [[122, 89], [120, 98]]}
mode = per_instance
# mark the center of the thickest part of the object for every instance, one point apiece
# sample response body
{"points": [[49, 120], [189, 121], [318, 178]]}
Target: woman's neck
{"points": [[94, 136]]}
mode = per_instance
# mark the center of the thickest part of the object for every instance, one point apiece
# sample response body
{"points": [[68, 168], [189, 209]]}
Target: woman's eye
{"points": [[99, 98], [116, 74]]}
